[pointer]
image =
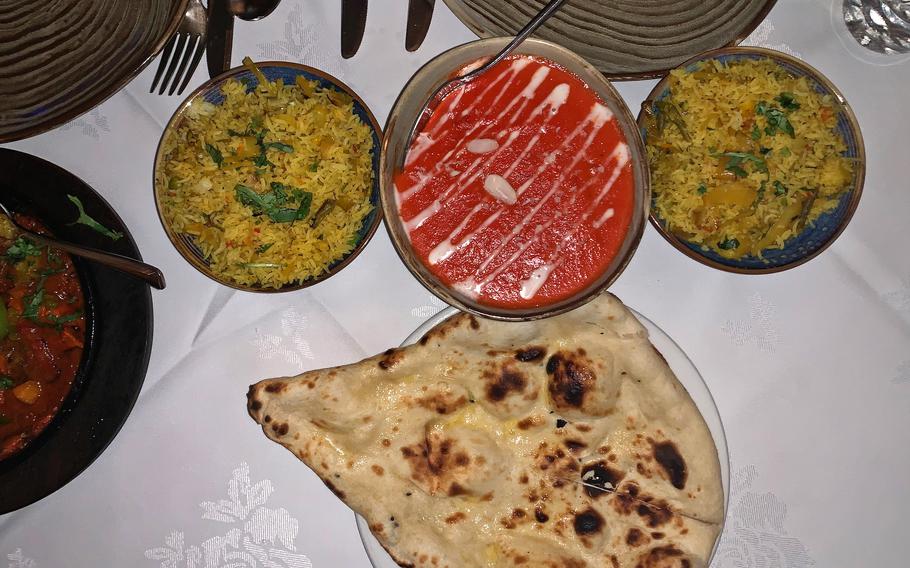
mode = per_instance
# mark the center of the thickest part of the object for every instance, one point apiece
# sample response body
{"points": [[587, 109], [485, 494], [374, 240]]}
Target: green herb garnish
{"points": [[215, 153], [314, 166], [33, 303], [784, 152], [264, 247], [787, 101], [728, 244], [272, 203], [6, 383], [760, 108], [21, 248], [702, 189], [736, 160], [280, 147], [668, 111], [756, 132], [778, 122], [85, 219], [780, 189]]}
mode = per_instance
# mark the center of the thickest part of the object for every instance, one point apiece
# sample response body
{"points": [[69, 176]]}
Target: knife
{"points": [[420, 13], [353, 24], [220, 37]]}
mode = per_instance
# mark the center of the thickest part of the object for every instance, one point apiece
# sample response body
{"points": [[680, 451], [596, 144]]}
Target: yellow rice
{"points": [[728, 204], [330, 158]]}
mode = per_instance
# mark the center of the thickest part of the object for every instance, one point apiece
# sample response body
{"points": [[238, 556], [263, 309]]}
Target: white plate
{"points": [[682, 367]]}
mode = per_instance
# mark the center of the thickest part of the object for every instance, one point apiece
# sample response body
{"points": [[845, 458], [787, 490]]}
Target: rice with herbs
{"points": [[273, 185], [743, 156]]}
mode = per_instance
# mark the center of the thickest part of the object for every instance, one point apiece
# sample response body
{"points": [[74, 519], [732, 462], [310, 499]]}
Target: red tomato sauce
{"points": [[42, 335], [518, 190]]}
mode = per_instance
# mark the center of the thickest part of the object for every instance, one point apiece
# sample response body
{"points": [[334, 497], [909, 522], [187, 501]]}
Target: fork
{"points": [[190, 34]]}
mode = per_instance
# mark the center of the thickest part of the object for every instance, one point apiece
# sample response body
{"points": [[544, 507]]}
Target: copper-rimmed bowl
{"points": [[210, 91], [814, 238], [411, 104]]}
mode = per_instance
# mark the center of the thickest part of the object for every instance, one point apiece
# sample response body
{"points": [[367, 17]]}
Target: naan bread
{"points": [[467, 448]]}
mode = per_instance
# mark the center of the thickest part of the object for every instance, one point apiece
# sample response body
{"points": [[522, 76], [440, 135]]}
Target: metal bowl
{"points": [[815, 238], [210, 91], [411, 104]]}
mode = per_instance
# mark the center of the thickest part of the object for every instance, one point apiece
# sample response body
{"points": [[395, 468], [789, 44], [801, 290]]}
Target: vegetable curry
{"points": [[42, 333]]}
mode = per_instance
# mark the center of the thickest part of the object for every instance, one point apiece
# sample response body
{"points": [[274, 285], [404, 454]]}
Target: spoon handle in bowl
{"points": [[153, 276]]}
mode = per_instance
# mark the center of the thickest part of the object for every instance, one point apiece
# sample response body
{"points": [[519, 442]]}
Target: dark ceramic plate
{"points": [[118, 335]]}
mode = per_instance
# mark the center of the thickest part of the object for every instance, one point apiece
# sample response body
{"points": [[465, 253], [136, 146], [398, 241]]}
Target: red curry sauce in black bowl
{"points": [[42, 333]]}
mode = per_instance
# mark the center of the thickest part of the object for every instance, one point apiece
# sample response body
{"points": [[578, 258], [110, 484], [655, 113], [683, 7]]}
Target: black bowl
{"points": [[118, 334]]}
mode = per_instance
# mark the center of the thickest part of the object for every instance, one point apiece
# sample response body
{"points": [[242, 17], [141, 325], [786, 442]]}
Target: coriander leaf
{"points": [[6, 383], [784, 152], [306, 200], [264, 247], [262, 160], [21, 248], [702, 189], [85, 219], [33, 303], [761, 191], [778, 121], [736, 159], [728, 244], [761, 107], [280, 147], [780, 189], [736, 170], [787, 101], [756, 133], [215, 153], [247, 196], [282, 215], [314, 166], [669, 112]]}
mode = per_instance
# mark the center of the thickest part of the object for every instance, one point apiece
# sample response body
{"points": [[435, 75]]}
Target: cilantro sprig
{"points": [[274, 203], [736, 161], [22, 248], [88, 221]]}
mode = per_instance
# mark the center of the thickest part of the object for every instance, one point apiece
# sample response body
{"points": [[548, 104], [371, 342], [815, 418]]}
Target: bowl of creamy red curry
{"points": [[521, 194]]}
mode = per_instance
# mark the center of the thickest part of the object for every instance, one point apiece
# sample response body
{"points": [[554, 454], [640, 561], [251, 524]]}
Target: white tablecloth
{"points": [[810, 368]]}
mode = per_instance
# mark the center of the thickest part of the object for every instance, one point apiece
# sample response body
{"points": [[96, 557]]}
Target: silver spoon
{"points": [[252, 10], [124, 264], [522, 35]]}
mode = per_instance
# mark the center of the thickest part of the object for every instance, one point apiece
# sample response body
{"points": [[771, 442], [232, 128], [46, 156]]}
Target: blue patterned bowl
{"points": [[814, 238], [210, 91]]}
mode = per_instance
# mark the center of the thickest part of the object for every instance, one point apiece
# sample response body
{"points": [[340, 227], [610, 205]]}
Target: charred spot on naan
{"points": [[628, 500], [600, 475], [558, 464], [578, 387], [443, 397], [504, 381], [664, 557], [671, 462], [390, 359], [531, 354], [455, 461]]}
